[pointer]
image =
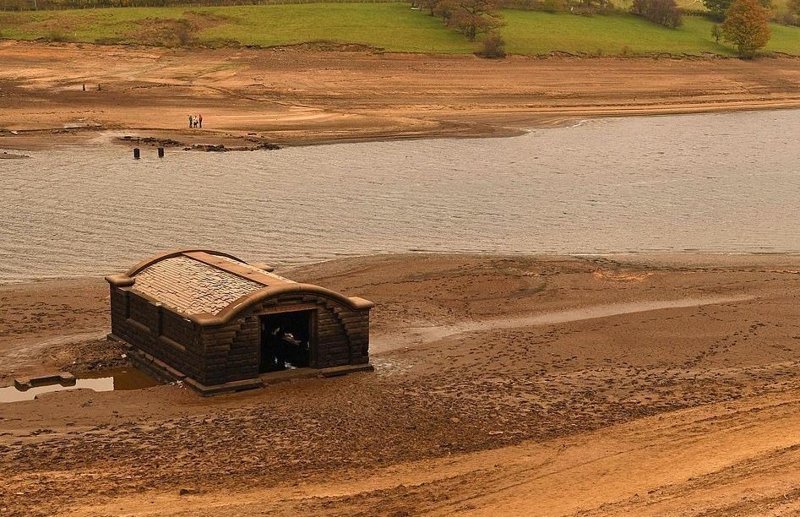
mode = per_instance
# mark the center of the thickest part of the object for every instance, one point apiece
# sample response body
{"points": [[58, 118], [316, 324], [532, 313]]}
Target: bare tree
{"points": [[470, 17], [662, 12]]}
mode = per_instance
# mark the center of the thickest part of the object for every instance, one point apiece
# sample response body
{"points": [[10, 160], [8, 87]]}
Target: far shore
{"points": [[254, 97]]}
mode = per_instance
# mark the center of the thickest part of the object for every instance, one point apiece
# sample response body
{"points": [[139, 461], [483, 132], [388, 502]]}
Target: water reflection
{"points": [[106, 380]]}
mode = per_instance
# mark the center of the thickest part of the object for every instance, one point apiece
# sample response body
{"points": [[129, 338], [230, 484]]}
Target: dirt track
{"points": [[295, 96], [646, 385]]}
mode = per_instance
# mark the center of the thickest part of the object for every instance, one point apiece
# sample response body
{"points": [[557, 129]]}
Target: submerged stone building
{"points": [[221, 324]]}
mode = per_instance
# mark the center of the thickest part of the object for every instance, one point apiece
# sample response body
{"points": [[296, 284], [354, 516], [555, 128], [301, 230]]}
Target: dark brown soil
{"points": [[421, 431]]}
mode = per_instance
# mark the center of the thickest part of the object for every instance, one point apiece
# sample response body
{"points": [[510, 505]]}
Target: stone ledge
{"points": [[266, 379], [336, 371], [227, 387], [307, 373], [62, 378]]}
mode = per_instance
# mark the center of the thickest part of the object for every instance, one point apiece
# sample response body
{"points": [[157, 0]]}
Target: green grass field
{"points": [[393, 27], [532, 32]]}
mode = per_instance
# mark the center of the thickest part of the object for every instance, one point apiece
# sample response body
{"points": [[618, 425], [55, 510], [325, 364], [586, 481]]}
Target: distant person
{"points": [[191, 120], [200, 120], [84, 86]]}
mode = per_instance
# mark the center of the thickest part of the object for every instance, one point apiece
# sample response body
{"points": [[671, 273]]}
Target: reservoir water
{"points": [[713, 183]]}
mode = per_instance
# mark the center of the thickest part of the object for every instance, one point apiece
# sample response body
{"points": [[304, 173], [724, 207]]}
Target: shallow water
{"points": [[714, 183], [106, 380]]}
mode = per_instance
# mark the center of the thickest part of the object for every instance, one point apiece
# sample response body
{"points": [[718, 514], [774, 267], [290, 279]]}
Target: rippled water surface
{"points": [[724, 182]]}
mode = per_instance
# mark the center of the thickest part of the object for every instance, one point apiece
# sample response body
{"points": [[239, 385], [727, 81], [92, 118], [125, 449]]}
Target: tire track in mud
{"points": [[654, 466]]}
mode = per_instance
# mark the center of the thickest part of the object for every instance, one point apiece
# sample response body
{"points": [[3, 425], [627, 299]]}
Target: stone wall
{"points": [[151, 328], [230, 352], [340, 335]]}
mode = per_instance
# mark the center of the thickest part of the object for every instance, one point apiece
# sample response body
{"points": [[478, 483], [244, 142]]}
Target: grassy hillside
{"points": [[533, 32], [394, 27], [390, 26]]}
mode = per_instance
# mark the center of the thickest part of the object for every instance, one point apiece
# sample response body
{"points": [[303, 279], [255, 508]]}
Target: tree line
{"points": [[745, 23], [52, 5]]}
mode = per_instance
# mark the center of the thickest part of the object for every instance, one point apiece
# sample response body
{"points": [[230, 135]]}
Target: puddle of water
{"points": [[128, 378], [106, 380]]}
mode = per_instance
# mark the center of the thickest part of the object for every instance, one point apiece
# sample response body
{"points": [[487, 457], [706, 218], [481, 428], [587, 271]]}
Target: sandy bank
{"points": [[12, 156], [683, 398], [289, 96]]}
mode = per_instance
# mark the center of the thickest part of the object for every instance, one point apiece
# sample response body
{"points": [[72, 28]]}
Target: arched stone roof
{"points": [[212, 287]]}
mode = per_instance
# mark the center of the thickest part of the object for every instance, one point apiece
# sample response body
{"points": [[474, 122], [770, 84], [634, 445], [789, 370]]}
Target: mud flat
{"points": [[290, 96], [640, 384], [12, 156]]}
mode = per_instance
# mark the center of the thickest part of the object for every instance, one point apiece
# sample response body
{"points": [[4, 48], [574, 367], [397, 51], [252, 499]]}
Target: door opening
{"points": [[286, 340]]}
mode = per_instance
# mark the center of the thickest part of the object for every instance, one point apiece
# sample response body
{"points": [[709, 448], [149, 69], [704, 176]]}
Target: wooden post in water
{"points": [[135, 153]]}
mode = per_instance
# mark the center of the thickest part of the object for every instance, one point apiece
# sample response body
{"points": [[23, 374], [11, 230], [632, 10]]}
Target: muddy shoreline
{"points": [[233, 141], [303, 97], [695, 356]]}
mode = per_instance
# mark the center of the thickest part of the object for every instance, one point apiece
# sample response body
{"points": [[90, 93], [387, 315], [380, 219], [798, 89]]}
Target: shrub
{"points": [[183, 33], [592, 7], [494, 46], [662, 12], [56, 36], [716, 32], [788, 18], [553, 6], [429, 5], [790, 14], [746, 25], [718, 8]]}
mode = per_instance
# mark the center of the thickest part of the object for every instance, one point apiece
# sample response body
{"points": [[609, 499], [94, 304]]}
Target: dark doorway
{"points": [[286, 340]]}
